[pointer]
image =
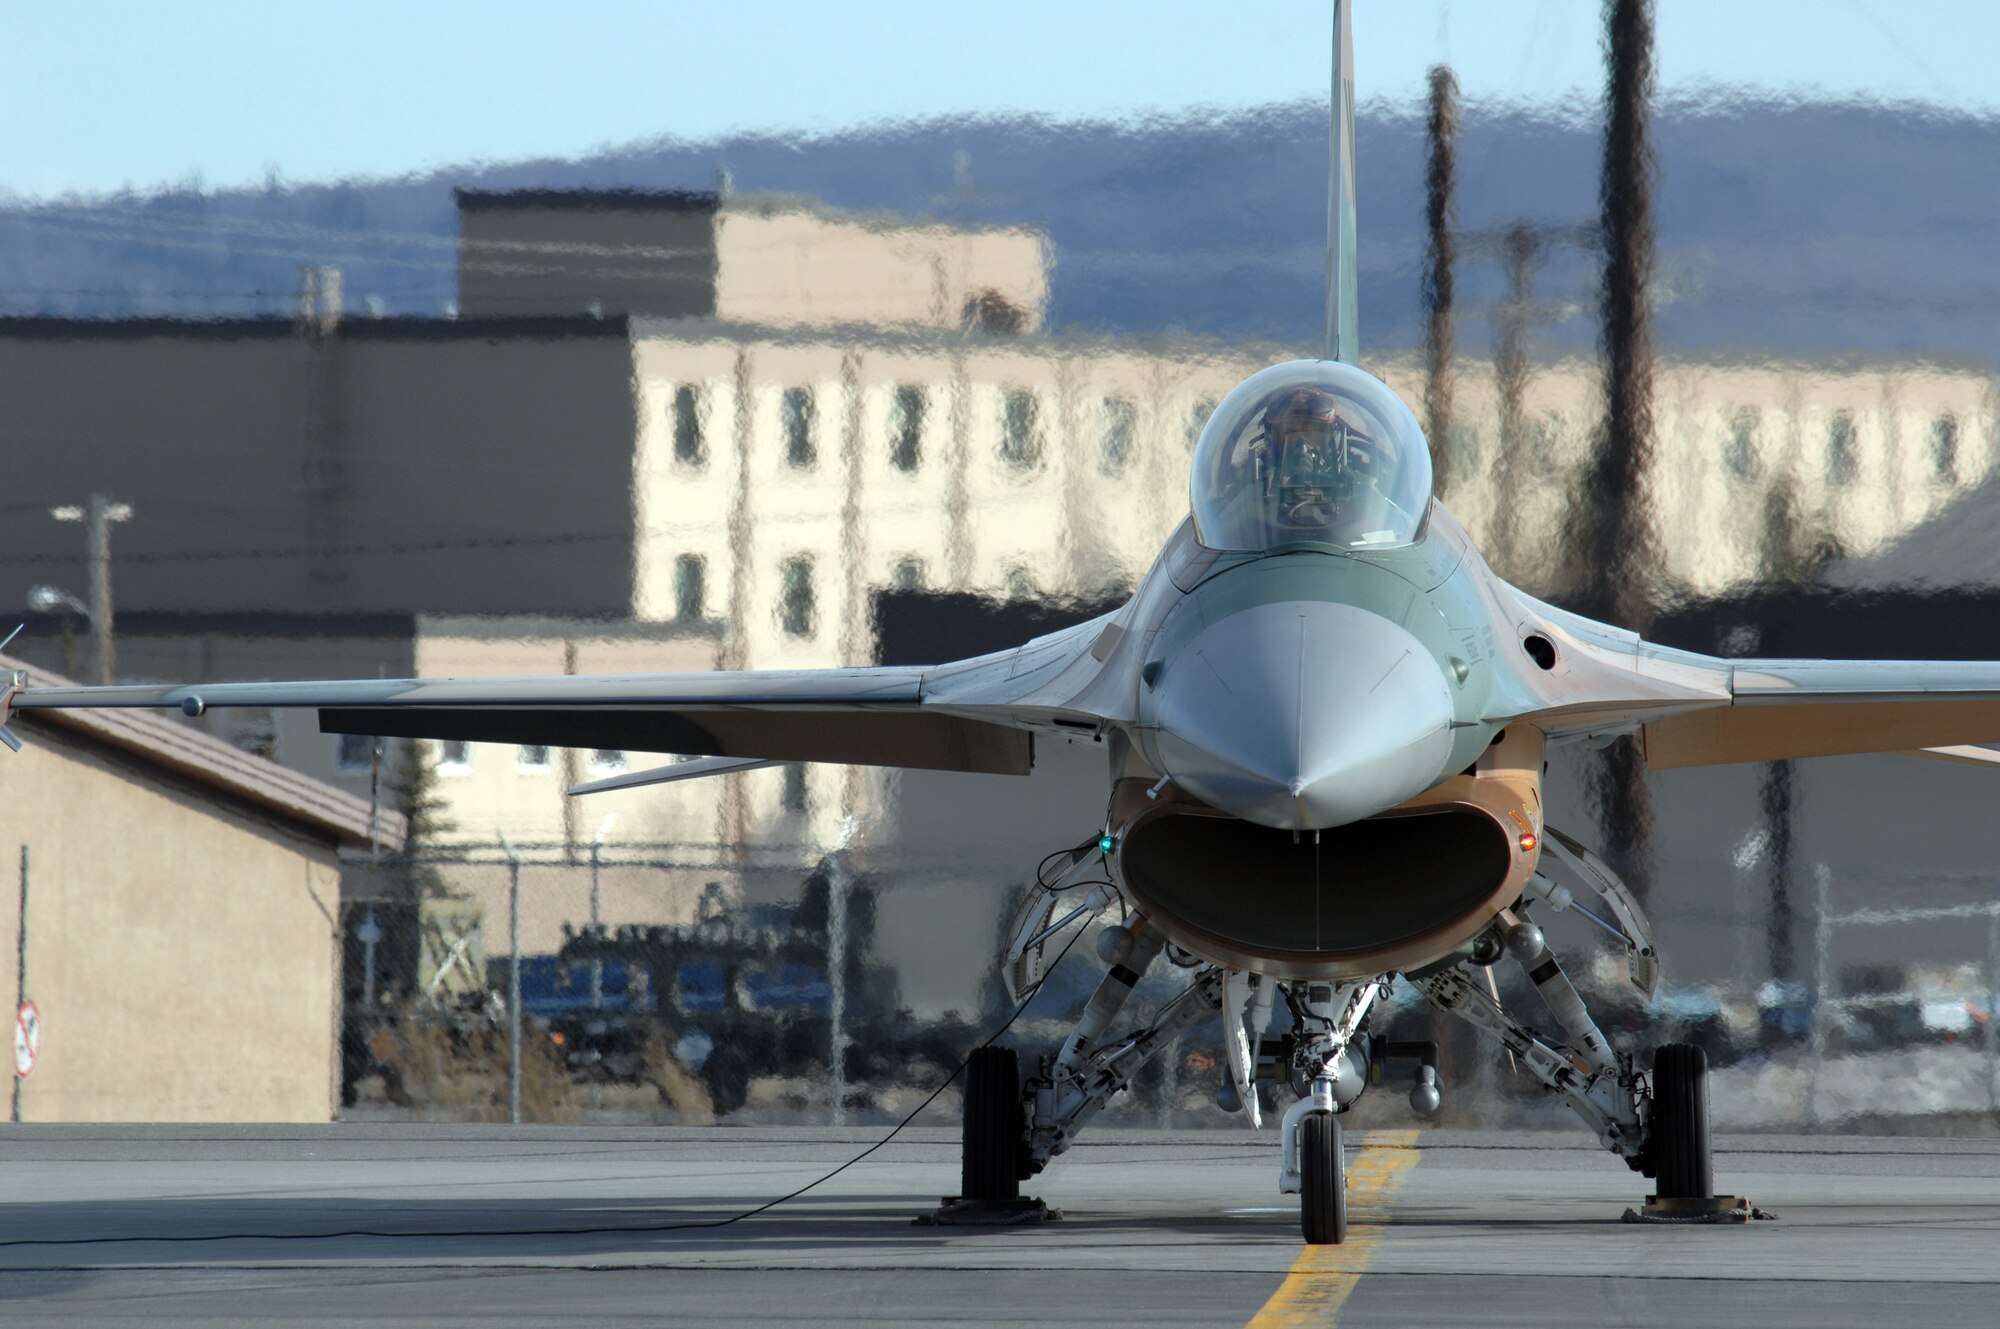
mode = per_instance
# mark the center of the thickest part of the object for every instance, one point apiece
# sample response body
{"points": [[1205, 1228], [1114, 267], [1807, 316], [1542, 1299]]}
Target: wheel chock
{"points": [[1710, 1209], [957, 1211]]}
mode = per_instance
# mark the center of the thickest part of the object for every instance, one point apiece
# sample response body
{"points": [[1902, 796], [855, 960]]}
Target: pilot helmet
{"points": [[1311, 452]]}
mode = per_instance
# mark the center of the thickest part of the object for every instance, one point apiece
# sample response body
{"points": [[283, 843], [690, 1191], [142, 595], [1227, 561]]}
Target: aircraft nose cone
{"points": [[1302, 715]]}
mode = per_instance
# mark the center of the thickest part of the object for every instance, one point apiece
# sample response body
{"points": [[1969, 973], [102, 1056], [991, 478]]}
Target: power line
{"points": [[329, 551]]}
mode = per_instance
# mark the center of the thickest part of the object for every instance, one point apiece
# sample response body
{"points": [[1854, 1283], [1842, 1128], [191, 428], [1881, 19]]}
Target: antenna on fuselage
{"points": [[1342, 339]]}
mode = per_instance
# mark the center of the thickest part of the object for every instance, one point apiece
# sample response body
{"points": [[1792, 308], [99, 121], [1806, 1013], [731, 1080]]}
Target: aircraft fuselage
{"points": [[1311, 788]]}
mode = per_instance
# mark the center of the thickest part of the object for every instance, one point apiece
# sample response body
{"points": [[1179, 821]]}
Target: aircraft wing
{"points": [[1702, 710], [1780, 709], [977, 715]]}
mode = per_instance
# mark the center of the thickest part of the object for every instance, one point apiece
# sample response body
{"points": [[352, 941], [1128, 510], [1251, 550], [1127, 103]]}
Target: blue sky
{"points": [[100, 95]]}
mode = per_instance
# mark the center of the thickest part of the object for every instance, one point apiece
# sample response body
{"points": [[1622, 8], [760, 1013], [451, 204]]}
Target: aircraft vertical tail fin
{"points": [[1342, 320]]}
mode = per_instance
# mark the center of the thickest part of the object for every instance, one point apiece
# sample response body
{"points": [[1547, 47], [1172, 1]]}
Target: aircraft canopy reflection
{"points": [[1311, 454]]}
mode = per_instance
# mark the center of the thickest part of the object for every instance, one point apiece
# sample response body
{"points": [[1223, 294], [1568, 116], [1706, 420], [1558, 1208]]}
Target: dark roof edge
{"points": [[588, 200], [395, 328], [262, 623]]}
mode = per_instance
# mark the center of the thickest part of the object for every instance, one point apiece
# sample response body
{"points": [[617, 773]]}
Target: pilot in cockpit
{"points": [[1310, 454], [1316, 468]]}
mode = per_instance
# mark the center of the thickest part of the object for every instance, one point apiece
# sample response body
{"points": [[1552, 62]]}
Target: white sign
{"points": [[27, 1038]]}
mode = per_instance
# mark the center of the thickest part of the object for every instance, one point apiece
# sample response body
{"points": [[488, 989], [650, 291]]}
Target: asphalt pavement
{"points": [[492, 1225]]}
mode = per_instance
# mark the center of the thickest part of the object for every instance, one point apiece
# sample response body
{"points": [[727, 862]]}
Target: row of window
{"points": [[355, 754], [1021, 433], [1842, 458], [798, 602], [1841, 461]]}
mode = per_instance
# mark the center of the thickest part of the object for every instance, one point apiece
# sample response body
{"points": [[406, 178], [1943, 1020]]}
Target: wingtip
{"points": [[10, 683]]}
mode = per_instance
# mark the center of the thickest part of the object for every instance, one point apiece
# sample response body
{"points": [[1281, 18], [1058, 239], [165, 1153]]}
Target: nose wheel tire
{"points": [[1683, 1166], [994, 1150], [1323, 1180]]}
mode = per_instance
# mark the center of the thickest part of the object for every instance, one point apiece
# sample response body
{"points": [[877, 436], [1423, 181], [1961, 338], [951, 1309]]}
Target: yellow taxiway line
{"points": [[1323, 1276]]}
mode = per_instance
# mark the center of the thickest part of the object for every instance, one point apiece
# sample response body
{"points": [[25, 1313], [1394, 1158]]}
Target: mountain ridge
{"points": [[1785, 227]]}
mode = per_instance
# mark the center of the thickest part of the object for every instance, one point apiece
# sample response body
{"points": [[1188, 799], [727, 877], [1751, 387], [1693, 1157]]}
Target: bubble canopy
{"points": [[1311, 454]]}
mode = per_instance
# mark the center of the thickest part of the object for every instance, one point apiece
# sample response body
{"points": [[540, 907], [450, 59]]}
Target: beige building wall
{"points": [[788, 263], [183, 951], [1035, 468], [1866, 453], [494, 789], [652, 853]]}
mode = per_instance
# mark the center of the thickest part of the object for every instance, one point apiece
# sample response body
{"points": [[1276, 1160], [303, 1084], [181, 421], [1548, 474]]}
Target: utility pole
{"points": [[97, 517], [1440, 175], [597, 906], [513, 981], [21, 967], [1618, 566]]}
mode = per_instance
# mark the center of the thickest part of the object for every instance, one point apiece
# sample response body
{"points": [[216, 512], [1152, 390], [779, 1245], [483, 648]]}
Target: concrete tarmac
{"points": [[490, 1225]]}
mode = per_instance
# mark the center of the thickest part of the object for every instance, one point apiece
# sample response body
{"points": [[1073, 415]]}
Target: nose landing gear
{"points": [[1323, 1180], [1329, 1048]]}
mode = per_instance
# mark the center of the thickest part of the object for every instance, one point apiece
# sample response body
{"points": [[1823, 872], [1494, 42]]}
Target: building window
{"points": [[688, 447], [1020, 430], [1547, 443], [796, 606], [1841, 459], [255, 731], [992, 312], [454, 756], [909, 575], [795, 796], [795, 412], [1197, 417], [607, 761], [354, 753], [1120, 422], [690, 572], [1944, 449], [1739, 448], [531, 758], [1463, 445], [906, 428]]}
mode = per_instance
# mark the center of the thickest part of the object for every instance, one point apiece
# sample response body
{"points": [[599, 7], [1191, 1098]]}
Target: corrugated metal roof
{"points": [[187, 751]]}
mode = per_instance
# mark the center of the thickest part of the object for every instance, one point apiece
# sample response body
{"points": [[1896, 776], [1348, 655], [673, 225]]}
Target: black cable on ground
{"points": [[606, 1230], [1076, 856]]}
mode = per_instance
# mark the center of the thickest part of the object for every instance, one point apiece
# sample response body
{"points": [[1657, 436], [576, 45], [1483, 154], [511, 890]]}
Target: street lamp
{"points": [[97, 517], [52, 600], [48, 599]]}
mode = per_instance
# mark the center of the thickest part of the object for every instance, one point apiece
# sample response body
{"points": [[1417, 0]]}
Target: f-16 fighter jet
{"points": [[1326, 721]]}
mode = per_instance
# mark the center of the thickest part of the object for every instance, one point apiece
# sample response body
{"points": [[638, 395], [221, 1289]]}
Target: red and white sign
{"points": [[27, 1038]]}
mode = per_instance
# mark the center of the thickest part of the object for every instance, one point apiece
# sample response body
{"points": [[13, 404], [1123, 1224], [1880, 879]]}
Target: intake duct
{"points": [[1368, 894]]}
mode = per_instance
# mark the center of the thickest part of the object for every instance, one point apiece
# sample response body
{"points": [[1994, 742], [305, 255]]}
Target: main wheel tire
{"points": [[993, 1146], [1683, 1166], [1323, 1192]]}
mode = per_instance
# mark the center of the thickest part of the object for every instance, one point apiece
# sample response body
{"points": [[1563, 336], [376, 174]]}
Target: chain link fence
{"points": [[661, 984], [676, 984]]}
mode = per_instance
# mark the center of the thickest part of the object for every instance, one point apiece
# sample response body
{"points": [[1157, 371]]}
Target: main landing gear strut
{"points": [[1657, 1123]]}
